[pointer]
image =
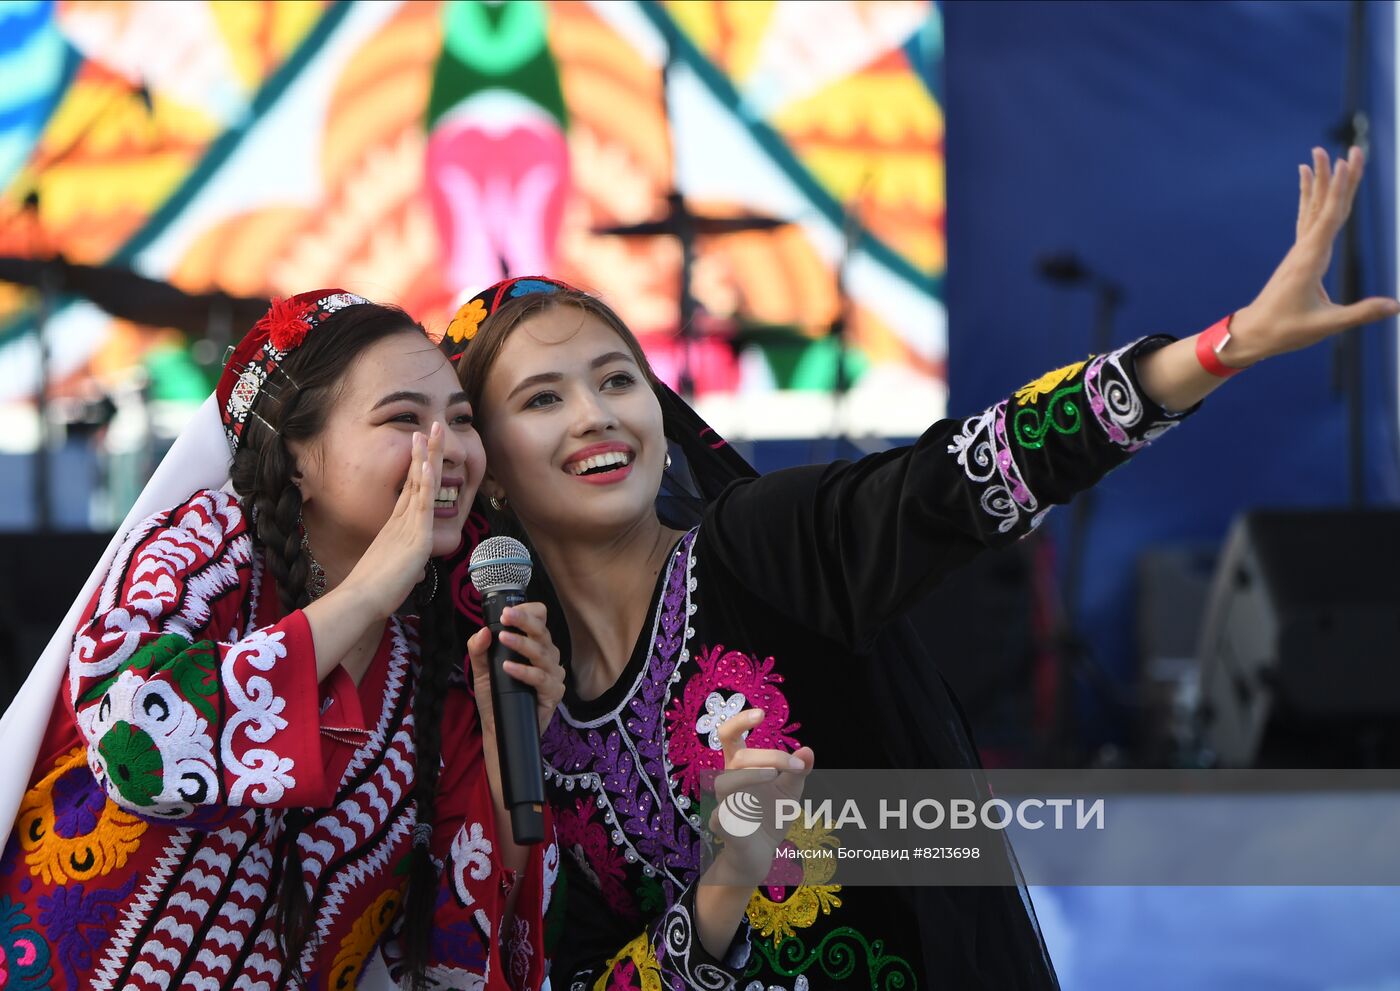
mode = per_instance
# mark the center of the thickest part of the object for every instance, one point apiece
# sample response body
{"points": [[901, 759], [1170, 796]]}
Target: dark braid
{"points": [[277, 517], [440, 650], [277, 509], [293, 406]]}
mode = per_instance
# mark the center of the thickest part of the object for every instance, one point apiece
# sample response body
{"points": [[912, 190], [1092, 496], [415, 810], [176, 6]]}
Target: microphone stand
{"points": [[1066, 269], [1354, 129], [685, 234]]}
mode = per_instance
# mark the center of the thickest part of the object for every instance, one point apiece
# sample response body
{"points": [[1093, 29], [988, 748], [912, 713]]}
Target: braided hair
{"points": [[293, 406]]}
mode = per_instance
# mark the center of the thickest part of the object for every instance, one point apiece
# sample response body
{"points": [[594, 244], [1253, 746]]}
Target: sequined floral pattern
{"points": [[724, 683]]}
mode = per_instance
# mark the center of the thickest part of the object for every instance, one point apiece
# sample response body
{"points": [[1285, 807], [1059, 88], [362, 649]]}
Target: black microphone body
{"points": [[517, 727]]}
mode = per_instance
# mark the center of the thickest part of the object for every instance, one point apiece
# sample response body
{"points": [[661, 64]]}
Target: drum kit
{"points": [[688, 228]]}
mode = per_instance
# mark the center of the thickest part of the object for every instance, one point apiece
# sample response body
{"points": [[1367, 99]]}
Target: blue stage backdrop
{"points": [[1159, 142]]}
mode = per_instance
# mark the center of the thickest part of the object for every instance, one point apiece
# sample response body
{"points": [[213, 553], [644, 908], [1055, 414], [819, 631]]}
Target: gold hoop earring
{"points": [[499, 505]]}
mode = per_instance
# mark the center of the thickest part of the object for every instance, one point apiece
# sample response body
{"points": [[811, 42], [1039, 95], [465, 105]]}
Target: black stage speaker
{"points": [[1300, 651]]}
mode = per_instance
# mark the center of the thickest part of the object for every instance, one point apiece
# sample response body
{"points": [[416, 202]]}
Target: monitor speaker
{"points": [[1300, 650]]}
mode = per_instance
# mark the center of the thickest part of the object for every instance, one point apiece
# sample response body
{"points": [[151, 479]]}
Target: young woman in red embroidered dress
{"points": [[266, 763], [775, 611]]}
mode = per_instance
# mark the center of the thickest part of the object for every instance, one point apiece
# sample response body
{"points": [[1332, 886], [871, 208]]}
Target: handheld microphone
{"points": [[500, 569]]}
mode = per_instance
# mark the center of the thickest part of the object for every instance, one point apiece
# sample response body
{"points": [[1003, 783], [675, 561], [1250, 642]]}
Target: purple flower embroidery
{"points": [[626, 749], [78, 924], [77, 803]]}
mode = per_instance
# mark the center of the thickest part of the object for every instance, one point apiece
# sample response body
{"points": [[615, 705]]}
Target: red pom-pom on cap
{"points": [[285, 322]]}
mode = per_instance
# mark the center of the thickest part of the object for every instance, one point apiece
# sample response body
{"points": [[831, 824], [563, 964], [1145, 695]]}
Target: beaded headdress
{"points": [[265, 347]]}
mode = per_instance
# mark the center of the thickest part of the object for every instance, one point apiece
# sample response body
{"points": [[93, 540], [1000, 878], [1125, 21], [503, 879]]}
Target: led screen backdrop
{"points": [[411, 150]]}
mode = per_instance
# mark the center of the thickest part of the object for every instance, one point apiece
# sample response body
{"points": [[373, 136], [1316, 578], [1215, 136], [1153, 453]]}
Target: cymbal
{"points": [[699, 225]]}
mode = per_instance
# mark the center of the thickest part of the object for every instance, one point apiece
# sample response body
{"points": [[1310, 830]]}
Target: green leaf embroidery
{"points": [[1061, 415], [194, 669], [133, 762], [837, 956]]}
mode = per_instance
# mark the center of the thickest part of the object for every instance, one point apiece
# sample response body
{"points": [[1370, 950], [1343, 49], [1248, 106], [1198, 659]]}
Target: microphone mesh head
{"points": [[499, 562]]}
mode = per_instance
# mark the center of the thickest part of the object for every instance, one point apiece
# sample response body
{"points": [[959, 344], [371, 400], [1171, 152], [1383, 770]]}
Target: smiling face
{"points": [[352, 472], [571, 427]]}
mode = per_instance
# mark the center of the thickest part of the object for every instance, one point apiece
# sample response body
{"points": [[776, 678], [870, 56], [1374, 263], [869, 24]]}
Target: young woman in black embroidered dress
{"points": [[774, 612]]}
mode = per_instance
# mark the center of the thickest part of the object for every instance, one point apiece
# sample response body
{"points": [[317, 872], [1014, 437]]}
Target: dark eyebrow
{"points": [[543, 377], [534, 380], [610, 357], [418, 398]]}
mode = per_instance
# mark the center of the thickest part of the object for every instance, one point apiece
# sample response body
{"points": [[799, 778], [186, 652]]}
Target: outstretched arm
{"points": [[1293, 310]]}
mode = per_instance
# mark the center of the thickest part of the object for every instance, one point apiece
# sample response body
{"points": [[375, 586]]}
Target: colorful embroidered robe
{"points": [[150, 849], [767, 604]]}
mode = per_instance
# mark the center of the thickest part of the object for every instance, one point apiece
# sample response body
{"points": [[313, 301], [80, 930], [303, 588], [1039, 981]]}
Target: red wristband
{"points": [[1209, 343]]}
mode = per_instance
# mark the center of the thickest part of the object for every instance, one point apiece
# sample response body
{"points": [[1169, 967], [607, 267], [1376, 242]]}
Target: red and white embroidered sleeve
{"points": [[179, 709]]}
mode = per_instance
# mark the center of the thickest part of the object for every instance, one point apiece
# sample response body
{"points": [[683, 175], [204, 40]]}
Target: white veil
{"points": [[199, 459]]}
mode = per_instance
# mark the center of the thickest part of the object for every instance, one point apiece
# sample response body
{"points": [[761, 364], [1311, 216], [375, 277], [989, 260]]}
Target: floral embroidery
{"points": [[70, 830], [179, 565], [153, 747], [456, 942], [1061, 415], [651, 897], [471, 861], [586, 840], [78, 922], [193, 667], [1116, 404], [550, 862], [985, 456], [718, 711], [524, 287], [519, 950], [362, 938], [797, 890], [90, 894], [466, 321], [133, 762], [778, 916], [1032, 391], [837, 955], [684, 956], [257, 772], [694, 719], [24, 956], [621, 758], [632, 968]]}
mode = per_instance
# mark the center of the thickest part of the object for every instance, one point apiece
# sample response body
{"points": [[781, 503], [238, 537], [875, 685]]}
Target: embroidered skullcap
{"points": [[266, 346], [471, 314]]}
